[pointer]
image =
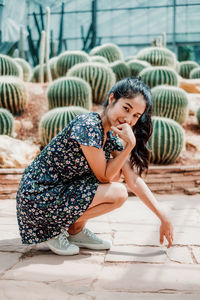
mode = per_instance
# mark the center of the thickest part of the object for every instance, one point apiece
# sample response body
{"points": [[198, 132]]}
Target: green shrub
{"points": [[110, 51], [99, 76], [136, 66], [26, 68], [170, 102], [167, 140], [13, 94], [55, 120], [120, 69], [186, 67], [6, 122], [195, 73], [8, 66], [68, 59], [157, 56], [154, 76], [67, 91]]}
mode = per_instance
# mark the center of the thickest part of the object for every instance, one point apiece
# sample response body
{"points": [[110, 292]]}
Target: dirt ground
{"points": [[26, 125]]}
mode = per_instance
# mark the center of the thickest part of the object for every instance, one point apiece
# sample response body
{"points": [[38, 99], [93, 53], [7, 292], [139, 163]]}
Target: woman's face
{"points": [[125, 110]]}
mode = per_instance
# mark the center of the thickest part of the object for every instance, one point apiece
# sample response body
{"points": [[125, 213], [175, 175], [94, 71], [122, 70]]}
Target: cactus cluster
{"points": [[8, 66], [167, 140], [68, 59], [185, 67], [26, 68], [99, 76], [67, 91], [136, 66], [55, 120], [195, 73], [120, 69], [110, 51], [154, 76], [170, 102], [13, 94], [157, 56], [6, 122], [36, 71]]}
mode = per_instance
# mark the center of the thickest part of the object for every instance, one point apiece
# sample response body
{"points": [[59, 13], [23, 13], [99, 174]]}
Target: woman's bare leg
{"points": [[107, 198]]}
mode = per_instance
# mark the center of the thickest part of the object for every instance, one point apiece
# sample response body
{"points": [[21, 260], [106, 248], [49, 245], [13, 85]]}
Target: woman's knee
{"points": [[120, 194]]}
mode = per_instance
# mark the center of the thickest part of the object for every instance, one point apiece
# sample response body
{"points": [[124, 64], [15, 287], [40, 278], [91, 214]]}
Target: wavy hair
{"points": [[130, 88]]}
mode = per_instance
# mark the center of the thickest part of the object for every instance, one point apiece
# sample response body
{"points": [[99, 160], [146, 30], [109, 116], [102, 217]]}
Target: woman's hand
{"points": [[166, 229], [125, 132]]}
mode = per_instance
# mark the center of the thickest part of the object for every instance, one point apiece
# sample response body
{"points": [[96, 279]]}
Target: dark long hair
{"points": [[130, 88]]}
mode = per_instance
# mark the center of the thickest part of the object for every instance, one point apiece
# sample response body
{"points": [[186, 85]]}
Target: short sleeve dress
{"points": [[59, 185]]}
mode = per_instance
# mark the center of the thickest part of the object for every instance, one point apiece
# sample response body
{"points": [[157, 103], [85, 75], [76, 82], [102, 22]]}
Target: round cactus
{"points": [[185, 67], [99, 59], [55, 120], [195, 73], [8, 66], [198, 115], [110, 51], [68, 59], [136, 66], [167, 140], [170, 102], [26, 68], [154, 76], [6, 122], [99, 76], [13, 94], [67, 91], [128, 58], [36, 71], [120, 69], [157, 56]]}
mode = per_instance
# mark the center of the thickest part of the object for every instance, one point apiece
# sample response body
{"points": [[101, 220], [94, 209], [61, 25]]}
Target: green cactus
{"points": [[99, 59], [136, 66], [99, 76], [8, 66], [26, 68], [128, 58], [6, 122], [120, 68], [167, 140], [110, 51], [55, 120], [154, 76], [67, 91], [13, 94], [157, 56], [195, 73], [170, 102], [36, 71], [185, 67], [68, 59], [198, 115]]}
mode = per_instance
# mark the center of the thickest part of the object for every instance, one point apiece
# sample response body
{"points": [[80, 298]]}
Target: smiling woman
{"points": [[75, 176]]}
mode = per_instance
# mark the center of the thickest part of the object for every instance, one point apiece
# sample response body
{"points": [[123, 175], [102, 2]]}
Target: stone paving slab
{"points": [[7, 260]]}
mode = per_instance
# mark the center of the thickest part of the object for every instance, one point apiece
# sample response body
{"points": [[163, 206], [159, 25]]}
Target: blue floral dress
{"points": [[59, 185]]}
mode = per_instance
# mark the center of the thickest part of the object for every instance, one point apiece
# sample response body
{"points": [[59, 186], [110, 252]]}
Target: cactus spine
{"points": [[68, 91], [6, 122], [110, 51]]}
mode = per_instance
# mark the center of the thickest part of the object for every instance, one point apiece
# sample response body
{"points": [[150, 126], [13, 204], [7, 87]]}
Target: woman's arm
{"points": [[140, 189]]}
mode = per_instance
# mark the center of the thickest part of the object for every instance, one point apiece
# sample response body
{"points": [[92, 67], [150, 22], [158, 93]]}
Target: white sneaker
{"points": [[61, 246], [88, 239]]}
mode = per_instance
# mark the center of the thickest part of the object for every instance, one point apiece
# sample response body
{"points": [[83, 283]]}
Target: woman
{"points": [[74, 178]]}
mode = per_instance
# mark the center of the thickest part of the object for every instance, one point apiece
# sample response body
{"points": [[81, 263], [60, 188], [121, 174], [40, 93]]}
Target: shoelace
{"points": [[91, 234], [62, 238]]}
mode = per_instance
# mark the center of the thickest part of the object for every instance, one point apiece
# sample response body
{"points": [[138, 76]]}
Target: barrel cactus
{"points": [[68, 59], [170, 102], [120, 69], [185, 67], [13, 94], [110, 51], [154, 76], [36, 71], [167, 140], [99, 76], [26, 68], [198, 115], [55, 120], [128, 58], [195, 73], [6, 122], [99, 59], [157, 56], [67, 91], [8, 66], [136, 66]]}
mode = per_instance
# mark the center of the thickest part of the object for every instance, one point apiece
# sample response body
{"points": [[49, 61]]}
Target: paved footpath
{"points": [[136, 267]]}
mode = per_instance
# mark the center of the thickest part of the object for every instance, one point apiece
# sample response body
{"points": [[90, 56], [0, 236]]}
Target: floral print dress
{"points": [[59, 185]]}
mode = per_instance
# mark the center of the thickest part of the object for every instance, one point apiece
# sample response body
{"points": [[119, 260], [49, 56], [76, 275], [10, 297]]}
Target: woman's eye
{"points": [[126, 108]]}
